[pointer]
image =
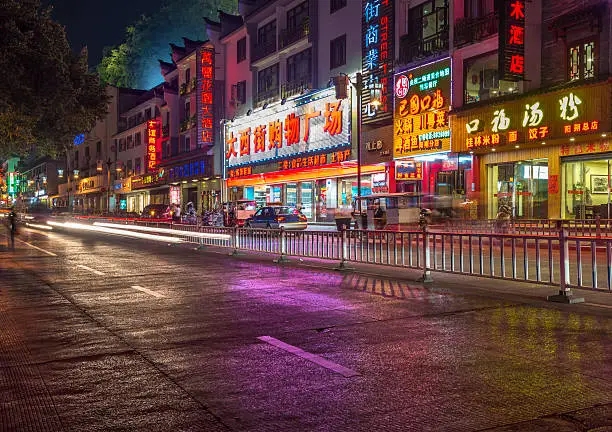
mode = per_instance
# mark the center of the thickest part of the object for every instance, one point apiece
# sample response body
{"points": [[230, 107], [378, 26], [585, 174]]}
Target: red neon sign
{"points": [[512, 40], [153, 139], [207, 77]]}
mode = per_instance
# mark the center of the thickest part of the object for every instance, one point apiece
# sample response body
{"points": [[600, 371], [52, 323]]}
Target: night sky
{"points": [[98, 23]]}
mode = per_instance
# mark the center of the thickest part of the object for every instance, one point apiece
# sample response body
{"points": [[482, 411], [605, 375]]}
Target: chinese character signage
{"points": [[408, 170], [153, 144], [147, 180], [192, 168], [512, 40], [377, 50], [422, 102], [304, 127], [535, 119], [206, 75]]}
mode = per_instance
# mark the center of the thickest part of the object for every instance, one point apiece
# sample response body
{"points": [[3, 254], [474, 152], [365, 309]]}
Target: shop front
{"points": [[423, 162], [543, 156], [147, 189], [121, 188], [298, 153], [91, 194], [191, 181]]}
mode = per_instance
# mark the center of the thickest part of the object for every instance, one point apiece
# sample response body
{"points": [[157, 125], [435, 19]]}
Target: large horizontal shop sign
{"points": [[149, 180], [422, 102], [308, 125], [194, 168], [535, 119], [298, 162]]}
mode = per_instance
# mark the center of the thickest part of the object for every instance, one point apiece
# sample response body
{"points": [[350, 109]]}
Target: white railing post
{"points": [[234, 245], [283, 248], [343, 252], [565, 293], [426, 278]]}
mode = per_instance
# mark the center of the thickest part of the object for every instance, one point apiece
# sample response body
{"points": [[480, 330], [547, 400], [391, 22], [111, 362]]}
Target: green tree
{"points": [[134, 63], [47, 94]]}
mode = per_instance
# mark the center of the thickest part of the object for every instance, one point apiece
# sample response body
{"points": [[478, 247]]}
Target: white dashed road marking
{"points": [[36, 247], [598, 305], [346, 372], [94, 271], [148, 291]]}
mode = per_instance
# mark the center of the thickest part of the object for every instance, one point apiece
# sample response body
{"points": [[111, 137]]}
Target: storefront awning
{"points": [[342, 169]]}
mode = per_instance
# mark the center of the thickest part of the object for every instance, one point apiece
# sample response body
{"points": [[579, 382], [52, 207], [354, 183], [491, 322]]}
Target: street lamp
{"points": [[108, 183]]}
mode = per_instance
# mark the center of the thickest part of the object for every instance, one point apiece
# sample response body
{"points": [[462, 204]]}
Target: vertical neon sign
{"points": [[153, 137], [512, 40], [377, 59], [206, 62]]}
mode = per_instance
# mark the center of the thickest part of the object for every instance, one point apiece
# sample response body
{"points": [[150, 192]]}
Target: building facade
{"points": [[533, 108], [289, 137]]}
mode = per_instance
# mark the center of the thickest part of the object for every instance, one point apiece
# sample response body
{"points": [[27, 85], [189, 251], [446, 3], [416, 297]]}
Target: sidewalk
{"points": [[595, 301]]}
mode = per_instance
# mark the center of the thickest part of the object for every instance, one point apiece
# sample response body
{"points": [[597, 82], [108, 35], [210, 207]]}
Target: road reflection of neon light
{"points": [[127, 233], [165, 231], [43, 227]]}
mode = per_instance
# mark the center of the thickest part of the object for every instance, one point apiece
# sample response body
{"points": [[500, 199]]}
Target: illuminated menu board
{"points": [[422, 103]]}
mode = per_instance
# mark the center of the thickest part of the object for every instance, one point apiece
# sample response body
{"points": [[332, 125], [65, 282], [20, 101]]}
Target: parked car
{"points": [[286, 217], [154, 211]]}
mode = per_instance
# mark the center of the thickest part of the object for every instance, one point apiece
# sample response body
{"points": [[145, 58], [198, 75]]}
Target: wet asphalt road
{"points": [[116, 334]]}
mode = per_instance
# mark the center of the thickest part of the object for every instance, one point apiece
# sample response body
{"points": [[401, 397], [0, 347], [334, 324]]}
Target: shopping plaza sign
{"points": [[536, 119], [307, 126], [422, 102]]}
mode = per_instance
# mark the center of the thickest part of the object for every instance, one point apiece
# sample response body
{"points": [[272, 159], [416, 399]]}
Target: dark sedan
{"points": [[286, 217]]}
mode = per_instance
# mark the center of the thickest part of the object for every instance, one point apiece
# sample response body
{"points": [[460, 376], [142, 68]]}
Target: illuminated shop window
{"points": [[582, 61], [481, 80]]}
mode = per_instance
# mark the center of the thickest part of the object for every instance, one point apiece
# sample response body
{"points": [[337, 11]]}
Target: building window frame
{"points": [[266, 34], [266, 78], [295, 66], [337, 52], [297, 15], [241, 50], [240, 95], [580, 63], [336, 5]]}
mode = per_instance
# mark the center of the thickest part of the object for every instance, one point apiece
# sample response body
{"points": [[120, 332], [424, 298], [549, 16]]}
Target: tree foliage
{"points": [[47, 95], [134, 63]]}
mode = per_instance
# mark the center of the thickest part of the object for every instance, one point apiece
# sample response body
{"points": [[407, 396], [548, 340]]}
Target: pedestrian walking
{"points": [[12, 227]]}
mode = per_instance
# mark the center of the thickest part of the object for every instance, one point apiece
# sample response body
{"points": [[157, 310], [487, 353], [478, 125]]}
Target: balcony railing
{"points": [[266, 96], [294, 88], [470, 30], [262, 50], [411, 49], [290, 36]]}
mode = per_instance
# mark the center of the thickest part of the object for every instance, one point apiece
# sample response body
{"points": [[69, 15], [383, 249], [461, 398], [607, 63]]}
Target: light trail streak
{"points": [[165, 231], [127, 233]]}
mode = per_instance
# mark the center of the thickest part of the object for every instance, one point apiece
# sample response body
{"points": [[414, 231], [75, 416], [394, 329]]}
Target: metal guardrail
{"points": [[544, 257]]}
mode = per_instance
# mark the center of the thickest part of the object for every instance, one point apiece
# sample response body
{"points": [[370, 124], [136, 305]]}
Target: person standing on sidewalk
{"points": [[12, 227]]}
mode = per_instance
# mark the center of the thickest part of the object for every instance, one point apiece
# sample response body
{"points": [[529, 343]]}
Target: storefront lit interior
{"points": [[518, 189], [586, 187], [444, 183], [318, 199]]}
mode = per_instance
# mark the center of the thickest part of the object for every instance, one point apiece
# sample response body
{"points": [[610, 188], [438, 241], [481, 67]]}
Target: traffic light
{"points": [[341, 85]]}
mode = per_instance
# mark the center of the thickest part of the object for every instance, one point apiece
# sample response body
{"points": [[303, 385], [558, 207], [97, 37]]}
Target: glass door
{"points": [[291, 189], [519, 189], [586, 189], [306, 196]]}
